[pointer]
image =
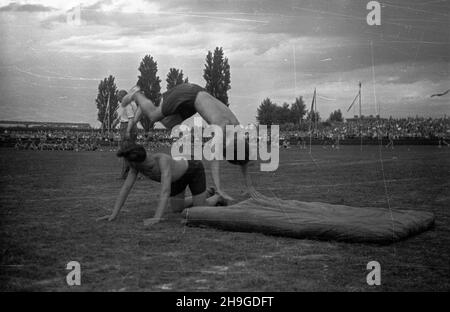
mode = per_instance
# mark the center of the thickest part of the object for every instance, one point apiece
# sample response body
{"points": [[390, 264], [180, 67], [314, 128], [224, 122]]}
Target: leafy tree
{"points": [[175, 77], [107, 91], [266, 112], [336, 116], [283, 114], [314, 117], [298, 110], [217, 75], [149, 83], [288, 127], [287, 116]]}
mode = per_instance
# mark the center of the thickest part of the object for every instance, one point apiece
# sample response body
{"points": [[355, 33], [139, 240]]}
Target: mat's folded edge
{"points": [[206, 216]]}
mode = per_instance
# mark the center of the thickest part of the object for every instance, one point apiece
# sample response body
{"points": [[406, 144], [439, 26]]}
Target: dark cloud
{"points": [[408, 60], [16, 7]]}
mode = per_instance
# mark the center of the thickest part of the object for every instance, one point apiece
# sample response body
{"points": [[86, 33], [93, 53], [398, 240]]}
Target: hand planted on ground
{"points": [[107, 217], [151, 221]]}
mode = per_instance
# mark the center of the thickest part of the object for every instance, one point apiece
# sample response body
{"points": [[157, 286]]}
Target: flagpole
{"points": [[109, 119], [107, 116], [316, 121], [310, 119], [360, 120]]}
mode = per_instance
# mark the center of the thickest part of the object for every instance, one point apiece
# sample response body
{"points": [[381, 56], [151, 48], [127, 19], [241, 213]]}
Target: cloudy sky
{"points": [[50, 69]]}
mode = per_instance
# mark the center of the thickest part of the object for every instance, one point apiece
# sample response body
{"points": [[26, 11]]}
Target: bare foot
{"points": [[222, 201], [210, 191], [224, 195]]}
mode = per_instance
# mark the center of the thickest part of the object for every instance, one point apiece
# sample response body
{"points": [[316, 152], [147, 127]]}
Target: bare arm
{"points": [[115, 122], [134, 120], [123, 194], [166, 181]]}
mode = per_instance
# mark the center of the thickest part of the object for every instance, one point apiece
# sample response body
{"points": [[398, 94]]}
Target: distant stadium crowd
{"points": [[75, 140], [369, 128], [424, 128], [373, 128]]}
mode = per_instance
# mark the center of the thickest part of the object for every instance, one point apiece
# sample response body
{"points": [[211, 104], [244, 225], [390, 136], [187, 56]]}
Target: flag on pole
{"points": [[313, 101], [353, 102], [311, 112]]}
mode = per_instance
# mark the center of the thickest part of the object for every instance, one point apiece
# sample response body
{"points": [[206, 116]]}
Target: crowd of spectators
{"points": [[75, 140], [93, 140], [372, 127]]}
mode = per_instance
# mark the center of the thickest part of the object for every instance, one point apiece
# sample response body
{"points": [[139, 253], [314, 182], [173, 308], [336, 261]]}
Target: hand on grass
{"points": [[107, 217], [151, 221]]}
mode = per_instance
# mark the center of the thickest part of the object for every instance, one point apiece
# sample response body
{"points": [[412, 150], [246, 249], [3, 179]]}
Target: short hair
{"points": [[158, 101], [132, 152], [121, 94]]}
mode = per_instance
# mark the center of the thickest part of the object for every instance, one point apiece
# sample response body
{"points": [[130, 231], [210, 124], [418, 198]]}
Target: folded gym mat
{"points": [[313, 220]]}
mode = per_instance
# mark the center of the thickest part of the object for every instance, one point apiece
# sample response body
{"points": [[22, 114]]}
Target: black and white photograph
{"points": [[224, 151]]}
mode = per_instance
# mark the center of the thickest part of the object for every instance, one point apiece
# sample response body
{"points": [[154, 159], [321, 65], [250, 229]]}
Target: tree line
{"points": [[217, 82], [294, 116], [216, 74]]}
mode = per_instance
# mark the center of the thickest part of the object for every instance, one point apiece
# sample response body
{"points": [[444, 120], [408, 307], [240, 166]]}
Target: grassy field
{"points": [[49, 202]]}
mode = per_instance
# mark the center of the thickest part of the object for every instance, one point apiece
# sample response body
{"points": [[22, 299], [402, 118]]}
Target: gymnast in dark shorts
{"points": [[194, 177], [180, 100], [174, 176], [235, 160], [180, 103]]}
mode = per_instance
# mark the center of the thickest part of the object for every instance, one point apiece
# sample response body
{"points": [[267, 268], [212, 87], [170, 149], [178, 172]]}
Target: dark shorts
{"points": [[180, 100], [194, 178]]}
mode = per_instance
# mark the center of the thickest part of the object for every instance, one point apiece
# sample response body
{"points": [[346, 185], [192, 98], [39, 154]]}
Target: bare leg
{"points": [[214, 112], [212, 200], [248, 183], [125, 169], [188, 202], [177, 203], [201, 200], [215, 165]]}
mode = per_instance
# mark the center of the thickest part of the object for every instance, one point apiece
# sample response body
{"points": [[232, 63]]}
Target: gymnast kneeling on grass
{"points": [[174, 175]]}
